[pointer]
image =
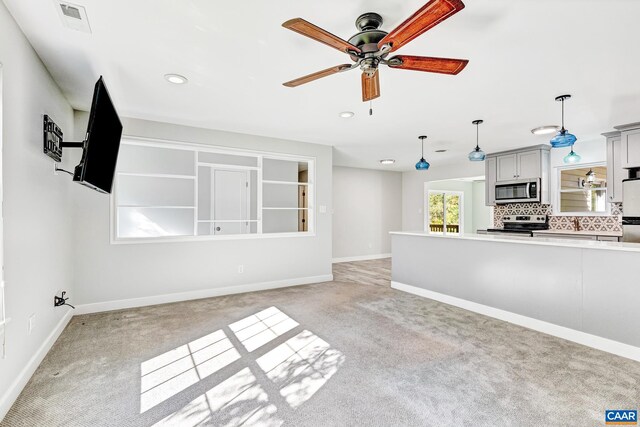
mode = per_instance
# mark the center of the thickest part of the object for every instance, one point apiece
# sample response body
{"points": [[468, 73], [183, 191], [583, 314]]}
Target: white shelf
{"points": [[157, 175], [155, 207], [224, 166], [286, 209], [264, 181], [226, 220]]}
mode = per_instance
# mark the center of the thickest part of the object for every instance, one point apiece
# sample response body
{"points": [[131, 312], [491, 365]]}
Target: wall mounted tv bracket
{"points": [[52, 138]]}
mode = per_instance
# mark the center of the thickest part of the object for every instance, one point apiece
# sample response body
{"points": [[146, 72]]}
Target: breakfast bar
{"points": [[584, 291]]}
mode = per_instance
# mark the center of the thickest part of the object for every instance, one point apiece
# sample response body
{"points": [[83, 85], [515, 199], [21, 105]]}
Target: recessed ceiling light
{"points": [[387, 161], [347, 114], [545, 130], [176, 79], [441, 151]]}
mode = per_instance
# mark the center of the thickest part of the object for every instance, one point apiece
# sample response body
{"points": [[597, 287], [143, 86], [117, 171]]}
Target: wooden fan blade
{"points": [[317, 75], [427, 64], [316, 33], [430, 15], [370, 87]]}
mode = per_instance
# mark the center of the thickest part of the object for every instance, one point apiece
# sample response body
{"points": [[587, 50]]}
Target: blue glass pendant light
{"points": [[572, 158], [477, 155], [422, 165], [563, 138]]}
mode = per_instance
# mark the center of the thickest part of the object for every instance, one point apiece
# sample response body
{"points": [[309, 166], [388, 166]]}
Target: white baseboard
{"points": [[604, 344], [360, 258], [14, 390], [192, 295]]}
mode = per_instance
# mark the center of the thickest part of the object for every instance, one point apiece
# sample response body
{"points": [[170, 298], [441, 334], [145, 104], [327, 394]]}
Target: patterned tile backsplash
{"points": [[612, 223]]}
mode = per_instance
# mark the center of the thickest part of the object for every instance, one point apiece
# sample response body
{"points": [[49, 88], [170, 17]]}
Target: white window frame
{"points": [[427, 216], [558, 195], [195, 148]]}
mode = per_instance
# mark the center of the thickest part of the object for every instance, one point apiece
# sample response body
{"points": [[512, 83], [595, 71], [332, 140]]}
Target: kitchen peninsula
{"points": [[583, 291]]}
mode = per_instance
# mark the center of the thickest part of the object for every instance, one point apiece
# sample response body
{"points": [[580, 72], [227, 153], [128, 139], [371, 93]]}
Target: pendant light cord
{"points": [[477, 136], [562, 113]]}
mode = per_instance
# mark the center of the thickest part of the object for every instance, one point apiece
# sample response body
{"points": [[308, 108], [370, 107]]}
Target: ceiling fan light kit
{"points": [[563, 138], [370, 47], [477, 155]]}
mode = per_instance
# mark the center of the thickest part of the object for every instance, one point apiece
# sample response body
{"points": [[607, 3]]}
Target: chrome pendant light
{"points": [[572, 158], [477, 155], [422, 165], [563, 138]]}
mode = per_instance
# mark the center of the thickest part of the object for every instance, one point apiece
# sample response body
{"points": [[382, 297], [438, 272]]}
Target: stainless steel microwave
{"points": [[520, 191]]}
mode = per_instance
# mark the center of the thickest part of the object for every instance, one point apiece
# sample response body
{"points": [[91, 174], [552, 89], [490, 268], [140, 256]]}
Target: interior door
{"points": [[507, 166], [230, 201]]}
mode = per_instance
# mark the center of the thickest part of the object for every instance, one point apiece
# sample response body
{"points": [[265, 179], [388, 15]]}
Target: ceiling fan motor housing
{"points": [[370, 34]]}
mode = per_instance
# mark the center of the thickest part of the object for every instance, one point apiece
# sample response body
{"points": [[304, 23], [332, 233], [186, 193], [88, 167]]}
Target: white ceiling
{"points": [[236, 55]]}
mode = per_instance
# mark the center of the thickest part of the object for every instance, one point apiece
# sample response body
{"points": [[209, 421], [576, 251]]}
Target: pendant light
{"points": [[572, 158], [591, 176], [422, 165], [477, 155], [563, 138]]}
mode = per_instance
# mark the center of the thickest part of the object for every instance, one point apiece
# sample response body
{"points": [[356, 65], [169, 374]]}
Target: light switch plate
{"points": [[323, 209]]}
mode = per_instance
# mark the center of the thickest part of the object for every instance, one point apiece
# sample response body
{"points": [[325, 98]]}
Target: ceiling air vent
{"points": [[73, 16]]}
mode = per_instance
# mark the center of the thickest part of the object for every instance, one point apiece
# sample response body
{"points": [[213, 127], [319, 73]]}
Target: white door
{"points": [[230, 201], [507, 166], [529, 165]]}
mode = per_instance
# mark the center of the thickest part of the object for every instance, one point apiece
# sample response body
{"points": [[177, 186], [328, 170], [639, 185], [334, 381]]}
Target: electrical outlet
{"points": [[240, 269], [32, 323]]}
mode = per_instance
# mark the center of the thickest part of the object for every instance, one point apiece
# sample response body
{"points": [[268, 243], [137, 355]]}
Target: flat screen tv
{"points": [[102, 143]]}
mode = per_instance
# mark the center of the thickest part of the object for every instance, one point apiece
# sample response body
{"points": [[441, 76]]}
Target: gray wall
{"points": [[367, 204], [106, 272], [413, 189], [37, 216]]}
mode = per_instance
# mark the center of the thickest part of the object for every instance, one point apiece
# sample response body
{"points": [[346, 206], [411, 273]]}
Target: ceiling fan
{"points": [[370, 47]]}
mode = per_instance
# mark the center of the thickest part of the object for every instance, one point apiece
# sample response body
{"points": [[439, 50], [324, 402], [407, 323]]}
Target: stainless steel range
{"points": [[521, 225]]}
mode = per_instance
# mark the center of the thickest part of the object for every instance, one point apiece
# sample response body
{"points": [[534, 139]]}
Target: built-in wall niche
{"points": [[582, 190], [174, 191]]}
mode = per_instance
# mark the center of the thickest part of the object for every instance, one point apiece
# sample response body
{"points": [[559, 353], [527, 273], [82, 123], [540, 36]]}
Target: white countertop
{"points": [[580, 233], [542, 241]]}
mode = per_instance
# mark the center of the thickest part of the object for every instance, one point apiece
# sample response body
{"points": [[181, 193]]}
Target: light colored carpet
{"points": [[330, 354]]}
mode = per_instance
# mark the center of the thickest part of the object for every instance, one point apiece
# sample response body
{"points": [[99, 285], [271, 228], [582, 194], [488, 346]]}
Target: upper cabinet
{"points": [[615, 172], [629, 144], [526, 163]]}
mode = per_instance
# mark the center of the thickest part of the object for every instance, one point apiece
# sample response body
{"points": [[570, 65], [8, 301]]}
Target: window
{"points": [[177, 191], [444, 212], [582, 190]]}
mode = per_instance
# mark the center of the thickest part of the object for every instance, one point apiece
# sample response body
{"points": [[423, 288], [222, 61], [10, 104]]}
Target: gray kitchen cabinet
{"points": [[507, 166], [525, 163], [630, 145], [615, 172], [529, 164], [519, 165], [490, 180]]}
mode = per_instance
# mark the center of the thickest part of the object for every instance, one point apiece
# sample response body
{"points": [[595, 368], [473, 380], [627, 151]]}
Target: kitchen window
{"points": [[444, 212], [582, 190], [178, 191]]}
